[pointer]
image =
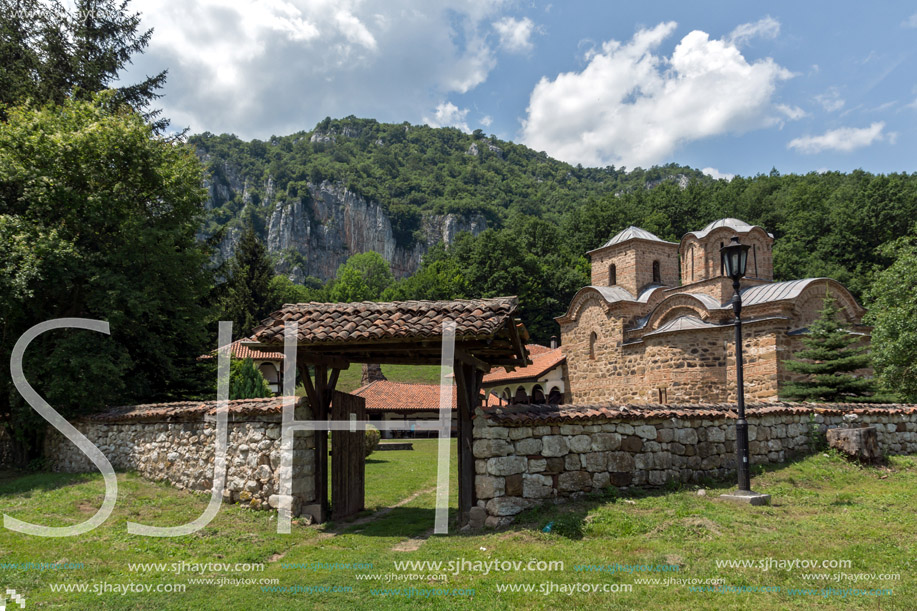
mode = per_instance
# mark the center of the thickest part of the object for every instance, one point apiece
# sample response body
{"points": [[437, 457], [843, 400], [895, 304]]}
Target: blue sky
{"points": [[730, 87]]}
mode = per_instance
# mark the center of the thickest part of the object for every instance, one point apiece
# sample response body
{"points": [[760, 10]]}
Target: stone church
{"points": [[656, 325]]}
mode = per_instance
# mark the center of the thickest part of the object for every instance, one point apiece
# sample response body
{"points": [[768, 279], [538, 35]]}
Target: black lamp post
{"points": [[735, 256]]}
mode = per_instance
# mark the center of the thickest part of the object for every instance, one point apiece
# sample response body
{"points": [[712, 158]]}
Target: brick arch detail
{"points": [[675, 306]]}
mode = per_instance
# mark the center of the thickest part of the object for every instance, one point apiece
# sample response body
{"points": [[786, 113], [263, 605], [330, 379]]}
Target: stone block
{"points": [[536, 486], [488, 487], [573, 462], [595, 461], [526, 447], [645, 431], [537, 465], [605, 441], [861, 443], [507, 505], [554, 445], [580, 443], [506, 465], [632, 443], [520, 432], [487, 448], [554, 465], [574, 481], [620, 461], [514, 485], [686, 436]]}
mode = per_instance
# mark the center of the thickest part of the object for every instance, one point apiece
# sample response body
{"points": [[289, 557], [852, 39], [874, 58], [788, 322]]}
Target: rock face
{"points": [[316, 232], [860, 443]]}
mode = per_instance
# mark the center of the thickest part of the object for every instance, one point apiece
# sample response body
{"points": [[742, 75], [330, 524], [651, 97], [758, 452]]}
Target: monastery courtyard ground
{"points": [[838, 536]]}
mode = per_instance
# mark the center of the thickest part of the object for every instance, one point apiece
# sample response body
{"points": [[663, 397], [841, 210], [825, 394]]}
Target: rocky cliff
{"points": [[311, 235]]}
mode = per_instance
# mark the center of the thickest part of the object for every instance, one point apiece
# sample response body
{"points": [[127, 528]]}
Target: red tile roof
{"points": [[239, 350], [543, 360], [385, 395], [339, 323], [555, 414], [189, 410]]}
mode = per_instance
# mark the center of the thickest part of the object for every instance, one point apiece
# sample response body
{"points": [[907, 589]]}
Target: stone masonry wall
{"points": [[182, 453], [525, 460]]}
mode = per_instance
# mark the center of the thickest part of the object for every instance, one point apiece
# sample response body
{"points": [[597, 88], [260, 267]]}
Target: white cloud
{"points": [[793, 113], [631, 106], [844, 139], [717, 175], [515, 34], [910, 22], [486, 120], [448, 115], [831, 100], [262, 67], [764, 28]]}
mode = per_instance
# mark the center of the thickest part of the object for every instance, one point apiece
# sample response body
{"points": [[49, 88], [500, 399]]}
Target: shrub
{"points": [[370, 440]]}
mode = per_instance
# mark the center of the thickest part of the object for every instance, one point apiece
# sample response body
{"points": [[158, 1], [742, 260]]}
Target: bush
{"points": [[370, 440]]}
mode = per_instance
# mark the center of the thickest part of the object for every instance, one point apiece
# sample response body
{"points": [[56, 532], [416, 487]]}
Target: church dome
{"points": [[739, 226]]}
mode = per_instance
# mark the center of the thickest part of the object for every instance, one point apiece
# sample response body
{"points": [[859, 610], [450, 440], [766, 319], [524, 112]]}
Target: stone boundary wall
{"points": [[179, 448], [525, 455]]}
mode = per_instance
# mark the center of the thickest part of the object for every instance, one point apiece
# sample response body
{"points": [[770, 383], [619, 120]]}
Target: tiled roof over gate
{"points": [[342, 323]]}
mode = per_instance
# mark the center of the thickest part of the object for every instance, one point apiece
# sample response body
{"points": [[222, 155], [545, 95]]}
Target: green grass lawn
{"points": [[349, 379], [824, 509]]}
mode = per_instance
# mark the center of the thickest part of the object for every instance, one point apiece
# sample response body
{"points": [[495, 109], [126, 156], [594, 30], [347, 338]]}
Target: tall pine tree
{"points": [[830, 357], [49, 52], [248, 297]]}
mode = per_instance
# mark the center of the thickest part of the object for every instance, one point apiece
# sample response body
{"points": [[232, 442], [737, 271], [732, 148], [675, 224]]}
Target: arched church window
{"points": [[657, 277], [592, 339], [612, 275]]}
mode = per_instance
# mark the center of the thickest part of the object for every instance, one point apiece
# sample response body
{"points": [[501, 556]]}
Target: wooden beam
{"points": [[321, 441], [471, 360], [333, 380], [465, 453]]}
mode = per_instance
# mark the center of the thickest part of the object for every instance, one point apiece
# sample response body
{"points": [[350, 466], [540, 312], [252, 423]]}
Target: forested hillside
{"points": [[541, 215]]}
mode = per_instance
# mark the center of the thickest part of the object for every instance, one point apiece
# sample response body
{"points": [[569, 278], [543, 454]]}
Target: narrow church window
{"points": [[663, 395], [592, 339], [722, 263], [612, 275], [692, 263], [754, 254], [657, 277]]}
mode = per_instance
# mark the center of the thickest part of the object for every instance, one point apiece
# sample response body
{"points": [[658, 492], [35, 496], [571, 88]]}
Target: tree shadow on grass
{"points": [[26, 482]]}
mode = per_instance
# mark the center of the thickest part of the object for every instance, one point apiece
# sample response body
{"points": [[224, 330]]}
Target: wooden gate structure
{"points": [[331, 336], [348, 461]]}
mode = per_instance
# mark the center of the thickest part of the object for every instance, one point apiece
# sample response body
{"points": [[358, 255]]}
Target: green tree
{"points": [[363, 277], [893, 314], [828, 360], [49, 53], [246, 382], [99, 219], [248, 296]]}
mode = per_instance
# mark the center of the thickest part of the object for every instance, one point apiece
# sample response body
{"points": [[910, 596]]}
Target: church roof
{"points": [[683, 323], [735, 224], [633, 233], [775, 291]]}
